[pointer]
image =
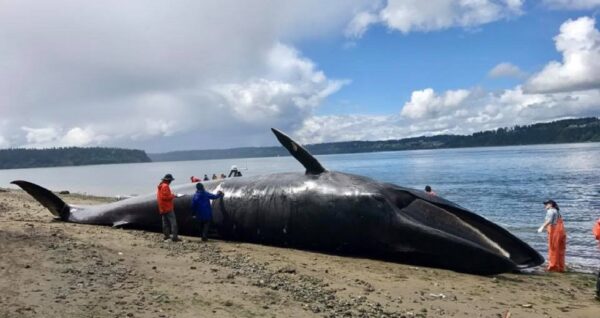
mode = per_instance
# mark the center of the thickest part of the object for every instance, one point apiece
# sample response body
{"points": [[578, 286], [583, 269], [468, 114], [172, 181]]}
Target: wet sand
{"points": [[56, 269]]}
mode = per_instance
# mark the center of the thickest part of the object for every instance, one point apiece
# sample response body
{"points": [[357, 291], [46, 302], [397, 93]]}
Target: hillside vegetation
{"points": [[562, 131], [71, 156]]}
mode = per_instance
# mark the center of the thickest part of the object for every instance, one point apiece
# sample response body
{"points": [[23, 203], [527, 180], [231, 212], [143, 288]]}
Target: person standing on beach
{"points": [[557, 238], [201, 208], [234, 172], [165, 198]]}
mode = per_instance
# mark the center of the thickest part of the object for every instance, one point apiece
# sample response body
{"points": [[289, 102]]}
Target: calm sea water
{"points": [[504, 184]]}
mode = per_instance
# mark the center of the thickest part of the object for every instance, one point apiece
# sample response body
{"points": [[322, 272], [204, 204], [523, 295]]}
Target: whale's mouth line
{"points": [[443, 220], [464, 225]]}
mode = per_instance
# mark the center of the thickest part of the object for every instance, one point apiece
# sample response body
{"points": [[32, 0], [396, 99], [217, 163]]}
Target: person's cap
{"points": [[234, 167], [169, 177], [549, 202]]}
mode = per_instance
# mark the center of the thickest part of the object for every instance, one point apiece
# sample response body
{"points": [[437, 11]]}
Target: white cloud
{"points": [[55, 137], [453, 112], [81, 137], [40, 136], [145, 73], [425, 103], [318, 129], [579, 43], [572, 4], [360, 23], [506, 69], [416, 15], [293, 88]]}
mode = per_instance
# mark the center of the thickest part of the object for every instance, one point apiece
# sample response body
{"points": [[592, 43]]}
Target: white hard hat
{"points": [[234, 167]]}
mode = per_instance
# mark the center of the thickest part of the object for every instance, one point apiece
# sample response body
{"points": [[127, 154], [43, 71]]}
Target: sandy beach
{"points": [[56, 269]]}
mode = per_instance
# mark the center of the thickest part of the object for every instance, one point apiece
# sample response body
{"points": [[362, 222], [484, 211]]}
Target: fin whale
{"points": [[325, 211]]}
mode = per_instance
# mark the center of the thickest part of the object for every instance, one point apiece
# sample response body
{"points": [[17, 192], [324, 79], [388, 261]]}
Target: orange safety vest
{"points": [[596, 230], [557, 245], [164, 198]]}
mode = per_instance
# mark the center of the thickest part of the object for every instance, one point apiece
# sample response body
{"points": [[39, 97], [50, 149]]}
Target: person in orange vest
{"points": [[194, 179], [165, 198], [557, 238]]}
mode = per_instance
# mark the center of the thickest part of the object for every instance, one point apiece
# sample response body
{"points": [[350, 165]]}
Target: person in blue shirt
{"points": [[201, 209]]}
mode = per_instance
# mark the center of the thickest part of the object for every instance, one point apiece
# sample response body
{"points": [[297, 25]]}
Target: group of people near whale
{"points": [[234, 172], [327, 211], [201, 208]]}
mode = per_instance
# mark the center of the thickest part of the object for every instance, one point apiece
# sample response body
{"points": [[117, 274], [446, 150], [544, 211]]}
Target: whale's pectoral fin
{"points": [[312, 165], [120, 223]]}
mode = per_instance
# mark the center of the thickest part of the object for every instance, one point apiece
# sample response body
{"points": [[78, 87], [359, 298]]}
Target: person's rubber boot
{"points": [[176, 239]]}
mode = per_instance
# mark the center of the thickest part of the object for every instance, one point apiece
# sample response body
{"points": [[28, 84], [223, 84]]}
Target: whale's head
{"points": [[411, 226], [455, 237]]}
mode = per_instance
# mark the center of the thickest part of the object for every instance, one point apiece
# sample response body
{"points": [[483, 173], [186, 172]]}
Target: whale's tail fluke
{"points": [[45, 197], [312, 165]]}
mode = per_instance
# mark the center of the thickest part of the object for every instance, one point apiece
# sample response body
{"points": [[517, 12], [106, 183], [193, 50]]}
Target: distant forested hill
{"points": [[72, 156], [562, 131]]}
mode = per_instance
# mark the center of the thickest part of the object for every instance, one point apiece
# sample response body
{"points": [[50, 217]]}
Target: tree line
{"points": [[69, 156], [561, 131]]}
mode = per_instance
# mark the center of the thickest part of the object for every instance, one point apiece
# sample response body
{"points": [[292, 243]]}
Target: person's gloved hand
{"points": [[540, 229]]}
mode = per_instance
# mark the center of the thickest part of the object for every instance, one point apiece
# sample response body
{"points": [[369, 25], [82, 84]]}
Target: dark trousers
{"points": [[169, 225], [598, 286], [204, 226]]}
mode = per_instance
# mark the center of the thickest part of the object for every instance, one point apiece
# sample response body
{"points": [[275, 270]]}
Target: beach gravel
{"points": [[54, 269]]}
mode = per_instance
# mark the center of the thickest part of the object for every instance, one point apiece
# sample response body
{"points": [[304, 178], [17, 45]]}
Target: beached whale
{"points": [[326, 211]]}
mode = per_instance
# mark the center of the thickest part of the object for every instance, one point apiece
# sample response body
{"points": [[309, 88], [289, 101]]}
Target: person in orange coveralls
{"points": [[557, 238], [165, 198]]}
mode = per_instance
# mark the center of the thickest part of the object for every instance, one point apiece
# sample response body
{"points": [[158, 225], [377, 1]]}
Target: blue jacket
{"points": [[201, 205]]}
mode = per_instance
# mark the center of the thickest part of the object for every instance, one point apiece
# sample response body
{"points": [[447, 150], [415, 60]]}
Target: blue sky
{"points": [[219, 73], [385, 66]]}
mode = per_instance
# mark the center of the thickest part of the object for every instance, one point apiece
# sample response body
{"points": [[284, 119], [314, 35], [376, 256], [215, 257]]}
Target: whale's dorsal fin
{"points": [[312, 165]]}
